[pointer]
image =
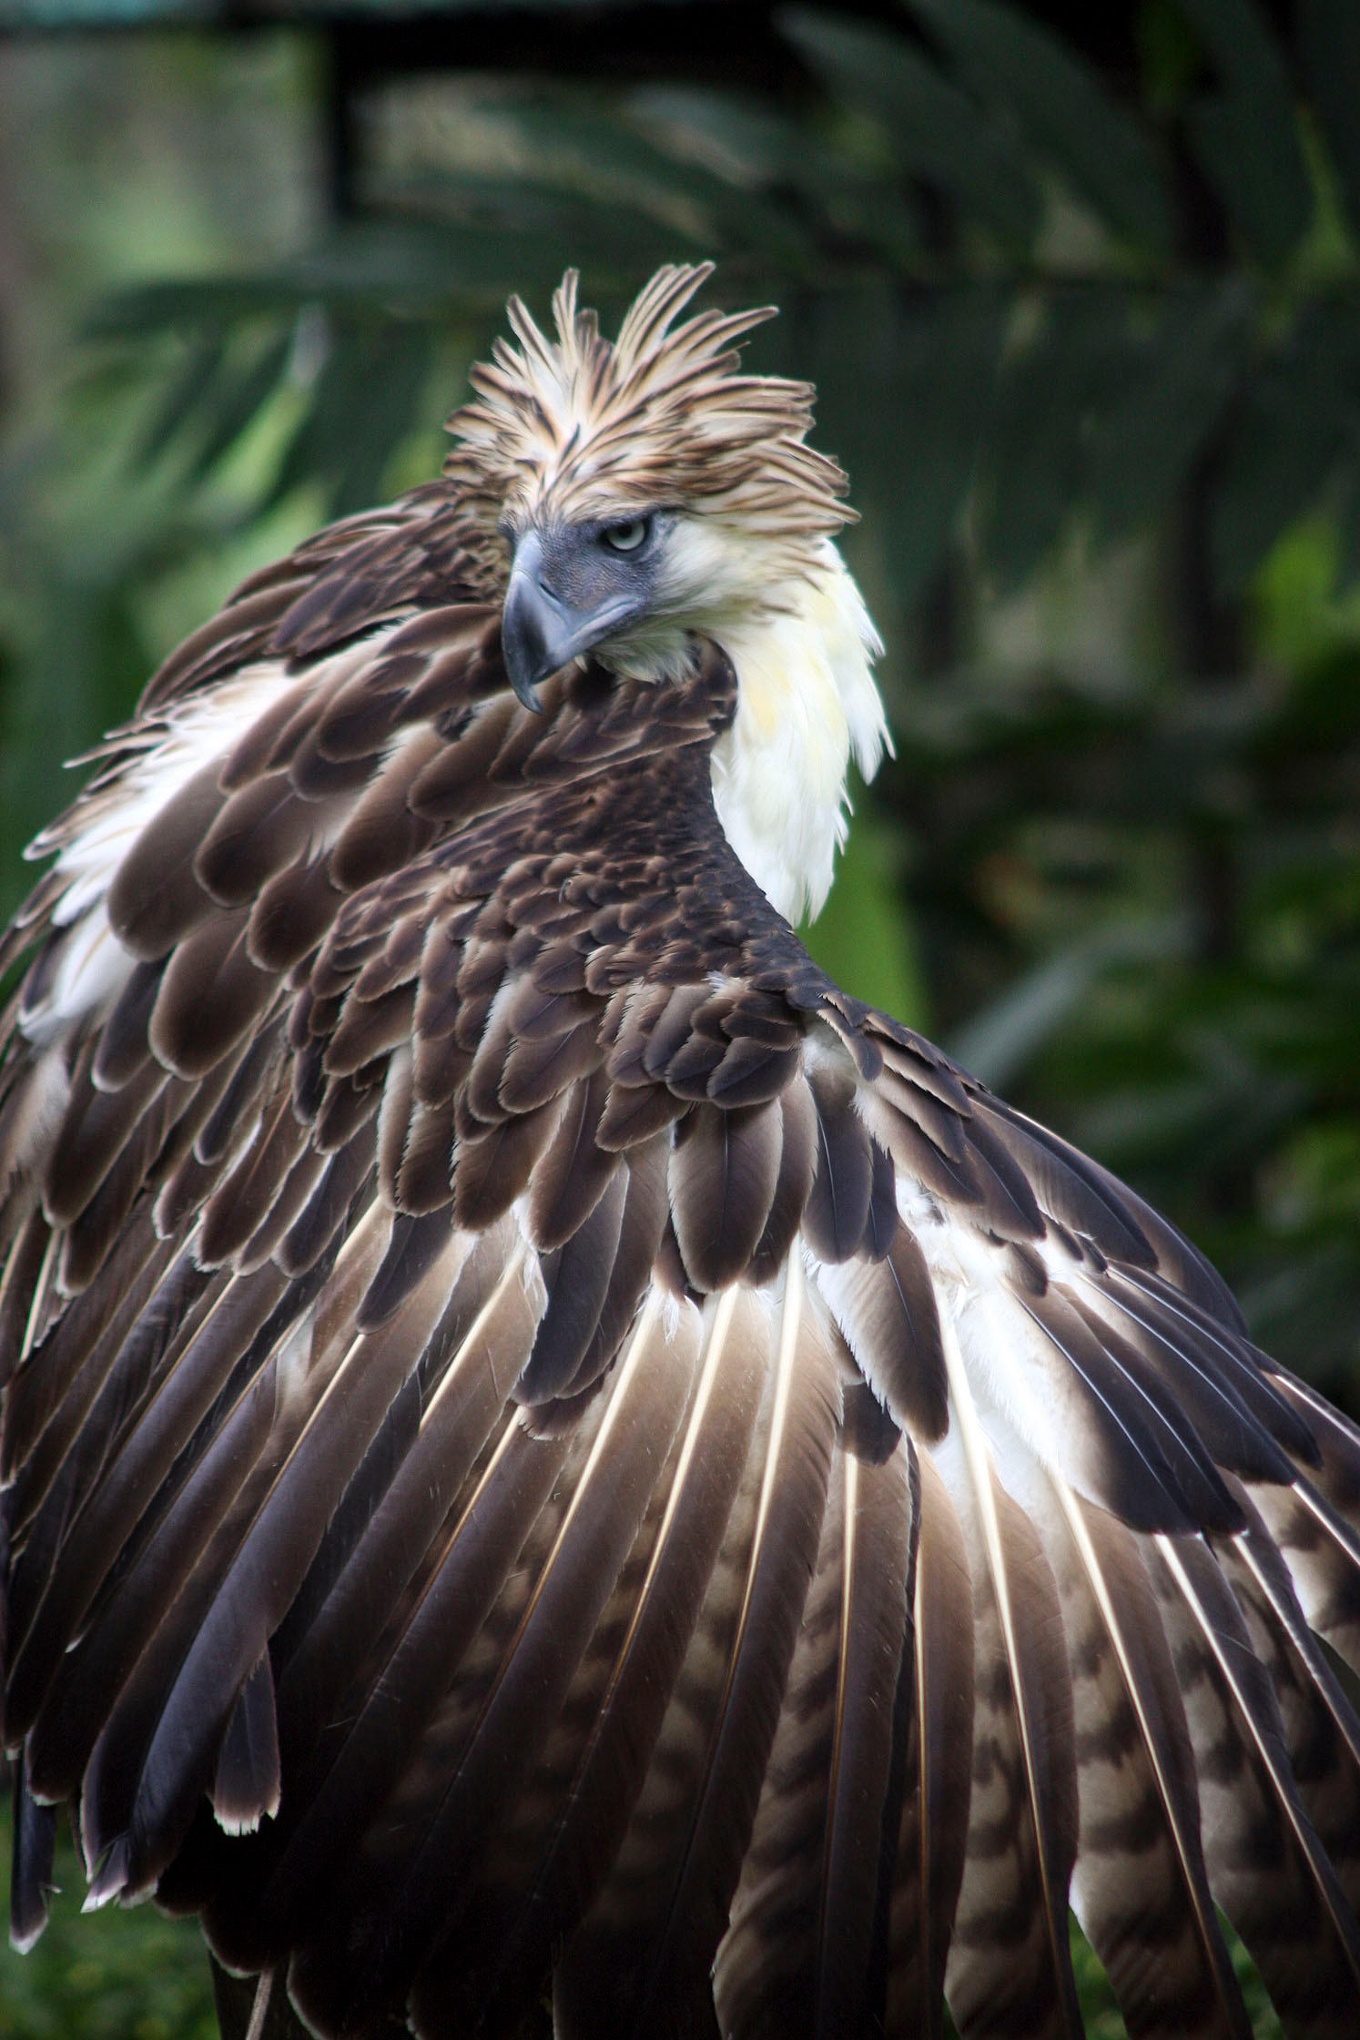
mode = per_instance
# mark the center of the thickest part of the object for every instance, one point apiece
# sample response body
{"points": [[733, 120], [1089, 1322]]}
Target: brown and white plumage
{"points": [[550, 1452]]}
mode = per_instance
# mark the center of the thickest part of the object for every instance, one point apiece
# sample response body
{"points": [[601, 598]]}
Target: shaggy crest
{"points": [[585, 428]]}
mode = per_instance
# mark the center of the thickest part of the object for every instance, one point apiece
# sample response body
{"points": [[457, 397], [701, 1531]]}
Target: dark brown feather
{"points": [[491, 1172], [609, 1498], [577, 1275], [155, 899], [252, 1599], [91, 1237], [887, 1311], [575, 1170], [382, 833], [123, 1050], [1140, 1887], [838, 1207], [793, 1184], [247, 1782], [613, 1714], [241, 1204], [211, 1342], [133, 1343], [643, 1222], [1322, 1733], [1010, 1969], [359, 1767], [1266, 1865], [93, 1130], [291, 915], [723, 1175], [32, 1855], [258, 832], [210, 996]]}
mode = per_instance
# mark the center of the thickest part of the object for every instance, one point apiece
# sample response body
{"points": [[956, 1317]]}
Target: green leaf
{"points": [[488, 236], [237, 398], [1058, 101], [904, 399], [1298, 422], [1178, 383], [1329, 36], [755, 145], [1049, 392], [1245, 136], [365, 399], [182, 395], [513, 236], [141, 311], [937, 132], [589, 150], [511, 230]]}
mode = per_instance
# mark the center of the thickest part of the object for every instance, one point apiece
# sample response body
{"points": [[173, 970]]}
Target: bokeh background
{"points": [[1080, 289]]}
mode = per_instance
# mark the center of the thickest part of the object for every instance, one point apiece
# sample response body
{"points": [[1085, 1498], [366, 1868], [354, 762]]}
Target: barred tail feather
{"points": [[805, 1952], [1140, 1888], [559, 1840], [640, 1961], [437, 1846], [1266, 1863], [936, 1786], [1010, 1968]]}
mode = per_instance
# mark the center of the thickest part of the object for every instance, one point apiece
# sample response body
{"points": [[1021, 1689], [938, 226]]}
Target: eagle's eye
{"points": [[629, 537]]}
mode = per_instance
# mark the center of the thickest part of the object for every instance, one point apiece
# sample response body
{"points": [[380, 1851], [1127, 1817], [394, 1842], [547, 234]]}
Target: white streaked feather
{"points": [[1001, 1353], [1266, 1742], [94, 838], [94, 966], [193, 733]]}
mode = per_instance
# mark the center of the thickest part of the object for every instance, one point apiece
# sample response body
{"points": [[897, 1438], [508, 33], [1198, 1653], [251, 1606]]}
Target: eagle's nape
{"points": [[553, 1456]]}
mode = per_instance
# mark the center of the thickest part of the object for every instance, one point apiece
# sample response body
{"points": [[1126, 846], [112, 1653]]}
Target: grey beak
{"points": [[540, 633]]}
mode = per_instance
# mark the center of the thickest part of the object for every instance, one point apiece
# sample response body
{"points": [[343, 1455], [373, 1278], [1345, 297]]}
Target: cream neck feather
{"points": [[807, 703]]}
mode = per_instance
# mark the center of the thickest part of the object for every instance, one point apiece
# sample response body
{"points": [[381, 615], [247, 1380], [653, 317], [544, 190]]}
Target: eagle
{"points": [[560, 1472]]}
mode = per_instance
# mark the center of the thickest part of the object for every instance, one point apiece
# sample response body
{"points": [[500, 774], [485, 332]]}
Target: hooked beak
{"points": [[540, 633]]}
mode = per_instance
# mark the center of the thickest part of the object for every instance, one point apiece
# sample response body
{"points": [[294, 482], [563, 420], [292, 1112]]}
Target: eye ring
{"points": [[629, 537]]}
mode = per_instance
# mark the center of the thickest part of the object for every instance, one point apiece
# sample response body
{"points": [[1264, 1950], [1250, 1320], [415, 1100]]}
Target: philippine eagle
{"points": [[550, 1455]]}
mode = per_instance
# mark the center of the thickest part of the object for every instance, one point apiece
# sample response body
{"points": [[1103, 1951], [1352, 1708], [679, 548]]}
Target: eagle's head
{"points": [[621, 497]]}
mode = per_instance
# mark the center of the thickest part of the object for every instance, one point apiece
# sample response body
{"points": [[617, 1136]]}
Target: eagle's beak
{"points": [[540, 632]]}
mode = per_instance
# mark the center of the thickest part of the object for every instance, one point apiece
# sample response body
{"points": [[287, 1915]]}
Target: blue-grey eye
{"points": [[627, 538]]}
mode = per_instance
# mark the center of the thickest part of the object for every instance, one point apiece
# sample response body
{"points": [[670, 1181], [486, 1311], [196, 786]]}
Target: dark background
{"points": [[1080, 289]]}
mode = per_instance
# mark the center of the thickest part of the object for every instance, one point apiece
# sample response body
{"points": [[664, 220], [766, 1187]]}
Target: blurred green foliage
{"points": [[1085, 325], [112, 1975]]}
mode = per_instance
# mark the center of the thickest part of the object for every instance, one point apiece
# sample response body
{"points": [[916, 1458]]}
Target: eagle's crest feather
{"points": [[581, 427]]}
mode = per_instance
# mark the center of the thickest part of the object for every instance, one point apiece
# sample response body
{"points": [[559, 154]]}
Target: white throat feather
{"points": [[806, 704]]}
